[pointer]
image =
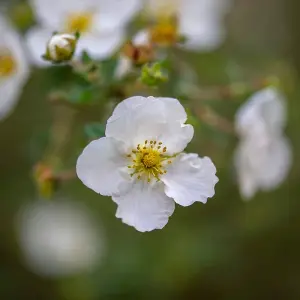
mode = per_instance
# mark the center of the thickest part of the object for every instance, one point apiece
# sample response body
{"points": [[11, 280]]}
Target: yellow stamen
{"points": [[7, 64], [149, 162], [164, 32], [81, 22]]}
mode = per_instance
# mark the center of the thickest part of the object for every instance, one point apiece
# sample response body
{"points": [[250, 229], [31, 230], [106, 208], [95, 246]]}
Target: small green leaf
{"points": [[94, 130], [153, 74], [107, 69], [80, 95], [85, 57]]}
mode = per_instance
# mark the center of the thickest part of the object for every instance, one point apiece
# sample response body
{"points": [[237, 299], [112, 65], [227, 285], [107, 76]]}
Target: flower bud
{"points": [[153, 74], [61, 47], [44, 179], [138, 54]]}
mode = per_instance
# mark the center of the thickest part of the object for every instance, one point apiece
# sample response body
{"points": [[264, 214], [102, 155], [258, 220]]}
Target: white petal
{"points": [[156, 7], [206, 36], [12, 86], [172, 108], [264, 111], [53, 14], [141, 38], [138, 118], [119, 11], [10, 90], [123, 67], [37, 39], [277, 164], [190, 178], [262, 166], [246, 174], [102, 166], [108, 15], [145, 207], [101, 46], [201, 21]]}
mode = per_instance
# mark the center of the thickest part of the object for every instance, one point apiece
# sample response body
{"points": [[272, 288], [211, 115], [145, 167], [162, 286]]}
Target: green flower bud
{"points": [[153, 74], [61, 47]]}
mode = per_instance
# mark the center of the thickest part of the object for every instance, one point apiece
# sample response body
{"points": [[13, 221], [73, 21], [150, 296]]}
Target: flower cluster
{"points": [[141, 163], [118, 48], [14, 69], [100, 23], [263, 157]]}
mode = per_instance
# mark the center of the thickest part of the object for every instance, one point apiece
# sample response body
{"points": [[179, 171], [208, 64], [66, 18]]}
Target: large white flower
{"points": [[100, 22], [58, 238], [14, 69], [140, 162], [199, 21], [263, 157]]}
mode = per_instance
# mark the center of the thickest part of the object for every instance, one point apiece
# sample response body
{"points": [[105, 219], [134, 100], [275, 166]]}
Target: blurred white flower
{"points": [[264, 111], [101, 24], [140, 162], [200, 22], [61, 47], [263, 157], [58, 238], [14, 69]]}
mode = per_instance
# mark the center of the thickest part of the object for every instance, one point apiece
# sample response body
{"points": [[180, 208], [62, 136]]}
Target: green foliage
{"points": [[153, 74], [81, 95], [94, 130]]}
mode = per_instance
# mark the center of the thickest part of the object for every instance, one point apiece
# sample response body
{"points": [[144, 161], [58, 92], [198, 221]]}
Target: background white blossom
{"points": [[12, 81], [59, 238], [263, 157]]}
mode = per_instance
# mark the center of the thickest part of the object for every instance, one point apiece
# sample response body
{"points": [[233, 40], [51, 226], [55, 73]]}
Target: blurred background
{"points": [[226, 249]]}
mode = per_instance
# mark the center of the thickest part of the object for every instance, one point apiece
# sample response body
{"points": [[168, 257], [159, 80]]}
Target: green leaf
{"points": [[153, 74], [85, 57], [94, 130], [107, 69], [80, 95]]}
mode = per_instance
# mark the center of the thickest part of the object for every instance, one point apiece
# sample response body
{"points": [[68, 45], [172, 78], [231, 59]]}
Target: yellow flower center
{"points": [[7, 64], [164, 32], [149, 160], [79, 22], [163, 15]]}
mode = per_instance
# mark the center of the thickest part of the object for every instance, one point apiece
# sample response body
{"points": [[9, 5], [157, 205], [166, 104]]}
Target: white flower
{"points": [[61, 47], [199, 21], [101, 24], [140, 162], [14, 69], [263, 157], [58, 238]]}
